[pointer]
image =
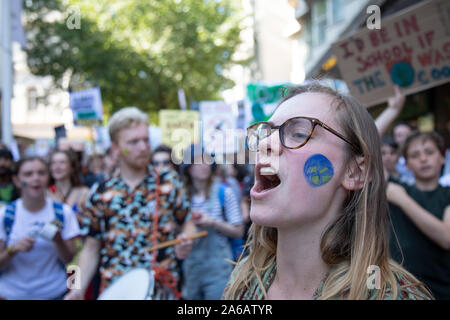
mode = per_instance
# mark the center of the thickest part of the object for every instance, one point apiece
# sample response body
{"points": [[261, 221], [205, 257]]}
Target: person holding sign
{"points": [[400, 132], [319, 209], [421, 215]]}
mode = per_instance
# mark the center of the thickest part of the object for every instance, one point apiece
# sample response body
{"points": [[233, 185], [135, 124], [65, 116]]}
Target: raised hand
{"points": [[398, 100]]}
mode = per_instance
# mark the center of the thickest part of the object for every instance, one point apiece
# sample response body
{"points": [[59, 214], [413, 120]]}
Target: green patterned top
{"points": [[406, 291]]}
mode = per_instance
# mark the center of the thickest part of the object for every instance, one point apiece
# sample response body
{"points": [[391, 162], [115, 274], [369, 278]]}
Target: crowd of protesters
{"points": [[418, 191], [109, 210]]}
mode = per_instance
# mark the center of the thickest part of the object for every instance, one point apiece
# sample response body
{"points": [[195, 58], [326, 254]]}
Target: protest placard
{"points": [[412, 50], [86, 104], [179, 128], [261, 100], [219, 127]]}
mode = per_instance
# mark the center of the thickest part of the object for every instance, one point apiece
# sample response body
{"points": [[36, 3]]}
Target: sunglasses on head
{"points": [[159, 163]]}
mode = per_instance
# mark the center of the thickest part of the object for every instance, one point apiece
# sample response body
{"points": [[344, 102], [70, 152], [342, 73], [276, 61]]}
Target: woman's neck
{"points": [[300, 267], [200, 187], [34, 204], [63, 185]]}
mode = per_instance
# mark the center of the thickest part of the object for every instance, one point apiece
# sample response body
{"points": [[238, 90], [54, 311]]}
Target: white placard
{"points": [[86, 104], [219, 127]]}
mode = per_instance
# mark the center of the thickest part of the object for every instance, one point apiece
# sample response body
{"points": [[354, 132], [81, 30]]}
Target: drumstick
{"points": [[176, 241]]}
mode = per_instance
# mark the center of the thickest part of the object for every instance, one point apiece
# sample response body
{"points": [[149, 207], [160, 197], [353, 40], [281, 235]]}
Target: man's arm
{"points": [[89, 259], [395, 106], [435, 229], [183, 249]]}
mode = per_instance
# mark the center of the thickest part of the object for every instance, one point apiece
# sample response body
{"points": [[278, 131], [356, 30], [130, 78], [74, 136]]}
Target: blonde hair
{"points": [[125, 118], [358, 238]]}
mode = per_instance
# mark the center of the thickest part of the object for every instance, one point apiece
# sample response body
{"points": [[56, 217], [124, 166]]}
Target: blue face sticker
{"points": [[24, 184], [318, 170]]}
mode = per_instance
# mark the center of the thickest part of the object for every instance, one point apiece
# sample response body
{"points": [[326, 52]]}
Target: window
{"points": [[307, 36], [338, 10], [32, 99], [319, 21]]}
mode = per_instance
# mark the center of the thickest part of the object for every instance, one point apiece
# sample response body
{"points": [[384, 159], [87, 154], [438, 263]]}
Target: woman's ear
{"points": [[355, 175]]}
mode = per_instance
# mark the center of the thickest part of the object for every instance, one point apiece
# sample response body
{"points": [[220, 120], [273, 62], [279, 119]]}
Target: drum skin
{"points": [[136, 284]]}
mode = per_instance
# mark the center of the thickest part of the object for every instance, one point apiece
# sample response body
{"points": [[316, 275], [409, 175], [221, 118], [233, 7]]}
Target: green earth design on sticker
{"points": [[319, 177]]}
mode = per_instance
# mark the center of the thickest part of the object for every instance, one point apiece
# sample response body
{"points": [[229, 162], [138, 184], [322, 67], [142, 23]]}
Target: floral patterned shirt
{"points": [[124, 219], [255, 292]]}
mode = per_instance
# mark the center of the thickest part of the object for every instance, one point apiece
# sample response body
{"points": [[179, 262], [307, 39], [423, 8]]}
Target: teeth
{"points": [[267, 171]]}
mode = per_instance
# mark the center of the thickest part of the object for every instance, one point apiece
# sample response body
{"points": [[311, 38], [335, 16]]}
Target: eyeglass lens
{"points": [[293, 133]]}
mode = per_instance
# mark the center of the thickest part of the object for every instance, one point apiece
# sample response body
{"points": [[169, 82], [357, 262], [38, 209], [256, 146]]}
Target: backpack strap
{"points": [[221, 195], [10, 214], [8, 219]]}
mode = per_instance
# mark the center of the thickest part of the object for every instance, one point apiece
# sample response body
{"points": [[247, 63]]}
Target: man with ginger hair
{"points": [[134, 210]]}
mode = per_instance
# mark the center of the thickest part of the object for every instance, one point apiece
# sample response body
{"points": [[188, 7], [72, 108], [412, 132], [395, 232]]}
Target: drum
{"points": [[136, 284]]}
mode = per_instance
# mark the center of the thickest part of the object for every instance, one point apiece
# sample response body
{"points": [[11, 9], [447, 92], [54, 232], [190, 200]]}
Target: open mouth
{"points": [[269, 182], [266, 180]]}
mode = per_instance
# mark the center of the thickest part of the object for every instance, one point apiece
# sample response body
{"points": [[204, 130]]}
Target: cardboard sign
{"points": [[219, 125], [179, 128], [412, 50], [86, 105]]}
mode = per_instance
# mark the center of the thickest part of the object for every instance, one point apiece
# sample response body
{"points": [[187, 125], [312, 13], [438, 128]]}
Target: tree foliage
{"points": [[139, 52]]}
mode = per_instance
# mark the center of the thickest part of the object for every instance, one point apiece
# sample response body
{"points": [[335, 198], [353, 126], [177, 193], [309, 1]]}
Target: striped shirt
{"points": [[213, 207]]}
